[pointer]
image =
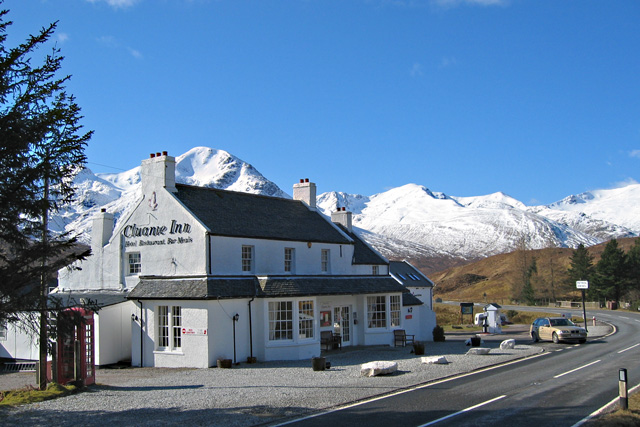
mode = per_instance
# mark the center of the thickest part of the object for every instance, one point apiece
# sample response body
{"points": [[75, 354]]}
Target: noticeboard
{"points": [[466, 308], [582, 284]]}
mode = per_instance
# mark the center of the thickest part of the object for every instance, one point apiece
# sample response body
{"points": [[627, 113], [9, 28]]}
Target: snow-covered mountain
{"points": [[118, 192], [405, 222]]}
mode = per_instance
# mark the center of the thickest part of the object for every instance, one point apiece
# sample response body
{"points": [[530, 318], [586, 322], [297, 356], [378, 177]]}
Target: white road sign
{"points": [[582, 284]]}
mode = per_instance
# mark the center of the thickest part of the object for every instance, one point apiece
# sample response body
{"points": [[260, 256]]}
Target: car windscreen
{"points": [[561, 322]]}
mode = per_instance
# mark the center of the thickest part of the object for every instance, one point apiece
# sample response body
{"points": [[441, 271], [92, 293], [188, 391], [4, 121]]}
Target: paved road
{"points": [[559, 387]]}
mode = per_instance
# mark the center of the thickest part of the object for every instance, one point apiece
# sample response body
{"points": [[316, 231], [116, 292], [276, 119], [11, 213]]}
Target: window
{"points": [[324, 260], [377, 311], [305, 319], [289, 259], [375, 270], [135, 263], [394, 310], [280, 320], [247, 258], [3, 331], [169, 327]]}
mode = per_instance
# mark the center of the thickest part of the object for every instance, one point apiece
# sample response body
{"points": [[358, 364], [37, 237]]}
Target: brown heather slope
{"points": [[496, 275]]}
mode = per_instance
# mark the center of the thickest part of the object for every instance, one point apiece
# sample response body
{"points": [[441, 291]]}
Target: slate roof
{"points": [[236, 214], [409, 299], [409, 275], [363, 253], [245, 287]]}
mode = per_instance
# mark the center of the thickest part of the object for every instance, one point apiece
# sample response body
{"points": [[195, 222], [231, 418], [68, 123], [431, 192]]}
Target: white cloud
{"points": [[62, 37], [117, 4], [448, 62], [624, 183], [453, 3], [135, 53], [416, 70], [634, 153]]}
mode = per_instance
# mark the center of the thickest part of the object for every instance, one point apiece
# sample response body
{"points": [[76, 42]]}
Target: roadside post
{"points": [[622, 387], [582, 285]]}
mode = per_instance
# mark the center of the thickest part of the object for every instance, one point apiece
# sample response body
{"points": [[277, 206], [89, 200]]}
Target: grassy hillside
{"points": [[496, 275]]}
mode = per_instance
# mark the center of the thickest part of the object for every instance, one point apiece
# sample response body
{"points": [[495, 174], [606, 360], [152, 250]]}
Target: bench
{"points": [[329, 340], [400, 337]]}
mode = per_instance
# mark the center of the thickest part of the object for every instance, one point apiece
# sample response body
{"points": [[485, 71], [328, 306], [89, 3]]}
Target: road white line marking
{"points": [[622, 351], [463, 411], [606, 408], [445, 380], [577, 369]]}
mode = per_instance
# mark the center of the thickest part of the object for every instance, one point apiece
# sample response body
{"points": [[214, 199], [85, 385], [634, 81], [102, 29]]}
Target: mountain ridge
{"points": [[408, 222]]}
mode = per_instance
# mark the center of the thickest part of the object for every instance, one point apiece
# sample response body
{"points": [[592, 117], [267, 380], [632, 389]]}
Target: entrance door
{"points": [[342, 323]]}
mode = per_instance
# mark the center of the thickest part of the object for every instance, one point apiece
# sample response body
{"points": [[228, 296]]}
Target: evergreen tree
{"points": [[528, 293], [581, 268], [633, 269], [611, 277], [42, 148]]}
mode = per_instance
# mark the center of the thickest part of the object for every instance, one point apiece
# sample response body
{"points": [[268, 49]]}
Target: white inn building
{"points": [[212, 274]]}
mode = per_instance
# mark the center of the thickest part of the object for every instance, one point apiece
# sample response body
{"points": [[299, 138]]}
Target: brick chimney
{"points": [[305, 191], [158, 171], [343, 217], [101, 230]]}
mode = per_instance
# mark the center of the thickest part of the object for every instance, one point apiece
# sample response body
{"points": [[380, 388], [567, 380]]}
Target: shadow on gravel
{"points": [[144, 388]]}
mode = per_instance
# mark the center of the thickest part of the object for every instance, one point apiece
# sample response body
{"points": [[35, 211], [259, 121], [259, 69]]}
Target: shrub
{"points": [[438, 334]]}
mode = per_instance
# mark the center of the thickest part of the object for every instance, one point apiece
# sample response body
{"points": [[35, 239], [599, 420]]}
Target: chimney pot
{"points": [[306, 180], [164, 153], [103, 210], [151, 156], [301, 181], [157, 154], [344, 209]]}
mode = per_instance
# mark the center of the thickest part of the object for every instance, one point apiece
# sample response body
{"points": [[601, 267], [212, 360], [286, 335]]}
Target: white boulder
{"points": [[479, 350], [372, 369], [508, 344], [435, 360]]}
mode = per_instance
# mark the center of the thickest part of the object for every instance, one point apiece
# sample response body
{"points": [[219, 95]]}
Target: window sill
{"points": [[172, 352]]}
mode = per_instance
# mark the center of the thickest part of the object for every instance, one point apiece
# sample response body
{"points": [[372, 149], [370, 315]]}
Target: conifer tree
{"points": [[581, 268], [42, 148], [612, 278]]}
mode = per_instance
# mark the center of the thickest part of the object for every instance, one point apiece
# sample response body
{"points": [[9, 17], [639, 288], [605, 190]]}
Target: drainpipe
{"points": [[235, 319], [141, 340], [250, 329]]}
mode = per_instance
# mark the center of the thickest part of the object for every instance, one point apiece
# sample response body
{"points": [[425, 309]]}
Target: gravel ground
{"points": [[251, 394]]}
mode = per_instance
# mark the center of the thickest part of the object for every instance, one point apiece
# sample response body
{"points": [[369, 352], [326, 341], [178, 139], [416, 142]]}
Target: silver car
{"points": [[557, 329]]}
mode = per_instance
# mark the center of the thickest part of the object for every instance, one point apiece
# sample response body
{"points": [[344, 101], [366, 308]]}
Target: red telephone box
{"points": [[75, 349]]}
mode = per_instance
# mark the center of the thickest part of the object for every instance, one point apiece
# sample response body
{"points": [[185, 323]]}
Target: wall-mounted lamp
{"points": [[134, 318], [236, 317]]}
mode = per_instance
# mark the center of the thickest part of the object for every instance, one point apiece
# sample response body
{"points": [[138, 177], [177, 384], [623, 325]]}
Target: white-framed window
{"points": [[375, 270], [247, 258], [394, 310], [3, 331], [169, 327], [376, 311], [324, 260], [306, 317], [289, 259], [280, 320], [134, 263]]}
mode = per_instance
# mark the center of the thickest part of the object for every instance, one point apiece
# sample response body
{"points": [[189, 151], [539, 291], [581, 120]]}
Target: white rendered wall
{"points": [[113, 327], [19, 344], [226, 257]]}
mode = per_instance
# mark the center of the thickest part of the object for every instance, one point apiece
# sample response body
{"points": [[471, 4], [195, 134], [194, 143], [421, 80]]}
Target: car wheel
{"points": [[582, 341], [555, 338], [535, 337]]}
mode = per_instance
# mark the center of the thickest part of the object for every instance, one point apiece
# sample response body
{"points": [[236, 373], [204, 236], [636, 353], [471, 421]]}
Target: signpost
{"points": [[582, 285]]}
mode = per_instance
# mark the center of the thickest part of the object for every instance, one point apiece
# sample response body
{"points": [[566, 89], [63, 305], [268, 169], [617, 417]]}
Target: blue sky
{"points": [[539, 99]]}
